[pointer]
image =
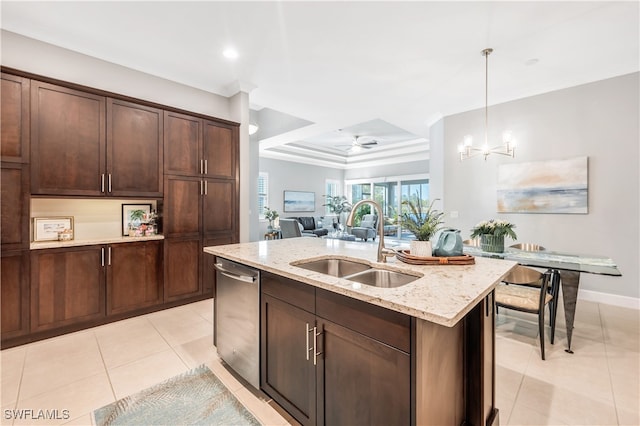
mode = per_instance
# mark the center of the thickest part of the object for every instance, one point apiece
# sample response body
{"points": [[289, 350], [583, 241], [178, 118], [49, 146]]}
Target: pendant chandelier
{"points": [[466, 148]]}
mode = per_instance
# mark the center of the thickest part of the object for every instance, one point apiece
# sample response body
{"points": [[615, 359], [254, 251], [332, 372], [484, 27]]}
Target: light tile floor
{"points": [[597, 385]]}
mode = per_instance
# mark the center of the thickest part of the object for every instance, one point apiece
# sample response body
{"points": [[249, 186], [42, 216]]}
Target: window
{"points": [[263, 193], [331, 187]]}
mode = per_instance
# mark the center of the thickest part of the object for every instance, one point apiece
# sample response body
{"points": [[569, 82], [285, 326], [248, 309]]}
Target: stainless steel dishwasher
{"points": [[237, 318]]}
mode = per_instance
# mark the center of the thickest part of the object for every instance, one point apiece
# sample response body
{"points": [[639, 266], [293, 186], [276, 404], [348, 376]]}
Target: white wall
{"points": [[287, 175], [27, 54], [599, 120]]}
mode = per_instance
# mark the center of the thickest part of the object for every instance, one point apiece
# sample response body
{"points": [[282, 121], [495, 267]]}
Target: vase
{"points": [[492, 243], [420, 248]]}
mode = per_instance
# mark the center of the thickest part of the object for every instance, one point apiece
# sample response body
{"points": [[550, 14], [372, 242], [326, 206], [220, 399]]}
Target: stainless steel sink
{"points": [[382, 278], [334, 267], [355, 271]]}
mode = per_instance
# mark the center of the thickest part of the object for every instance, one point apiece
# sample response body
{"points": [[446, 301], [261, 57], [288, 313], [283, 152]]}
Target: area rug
{"points": [[196, 397]]}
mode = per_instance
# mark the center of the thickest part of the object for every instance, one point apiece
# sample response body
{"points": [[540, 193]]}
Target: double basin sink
{"points": [[359, 272]]}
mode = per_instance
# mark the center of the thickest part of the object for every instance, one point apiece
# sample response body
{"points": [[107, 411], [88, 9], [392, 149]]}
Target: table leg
{"points": [[570, 281]]}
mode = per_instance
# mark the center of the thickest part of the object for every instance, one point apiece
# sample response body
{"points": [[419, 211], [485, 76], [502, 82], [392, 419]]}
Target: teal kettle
{"points": [[447, 243]]}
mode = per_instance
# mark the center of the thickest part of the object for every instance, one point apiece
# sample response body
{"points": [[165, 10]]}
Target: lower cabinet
{"points": [[182, 274], [327, 360], [67, 286], [134, 276], [14, 299], [85, 284]]}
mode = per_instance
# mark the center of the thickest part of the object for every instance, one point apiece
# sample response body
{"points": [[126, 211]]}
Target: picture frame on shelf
{"points": [[128, 219], [49, 228]]}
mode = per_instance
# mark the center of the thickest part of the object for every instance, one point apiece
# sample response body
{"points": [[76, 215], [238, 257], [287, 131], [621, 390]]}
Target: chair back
{"points": [[289, 228], [369, 221]]}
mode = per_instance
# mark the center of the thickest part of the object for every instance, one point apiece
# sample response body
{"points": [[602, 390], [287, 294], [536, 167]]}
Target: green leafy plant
{"points": [[137, 215], [422, 224], [494, 227], [338, 204], [270, 215]]}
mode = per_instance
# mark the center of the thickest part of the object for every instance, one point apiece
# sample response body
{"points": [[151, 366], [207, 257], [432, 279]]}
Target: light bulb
{"points": [[468, 140]]}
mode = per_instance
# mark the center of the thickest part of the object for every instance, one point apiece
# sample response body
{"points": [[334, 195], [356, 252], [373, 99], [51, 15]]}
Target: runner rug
{"points": [[196, 397]]}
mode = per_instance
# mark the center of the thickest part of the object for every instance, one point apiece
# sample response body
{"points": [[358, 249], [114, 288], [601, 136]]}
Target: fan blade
{"points": [[368, 143]]}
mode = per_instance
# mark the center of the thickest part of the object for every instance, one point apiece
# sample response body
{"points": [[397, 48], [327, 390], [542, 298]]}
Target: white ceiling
{"points": [[381, 69]]}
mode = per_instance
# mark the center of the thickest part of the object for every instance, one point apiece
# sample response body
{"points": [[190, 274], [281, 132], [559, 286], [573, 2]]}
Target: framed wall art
{"points": [[553, 186], [48, 228], [299, 201]]}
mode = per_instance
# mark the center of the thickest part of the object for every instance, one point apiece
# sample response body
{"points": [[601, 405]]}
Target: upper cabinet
{"points": [[134, 149], [198, 147], [88, 145], [14, 116], [68, 141]]}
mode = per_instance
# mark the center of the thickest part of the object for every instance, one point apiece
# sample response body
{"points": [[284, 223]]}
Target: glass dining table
{"points": [[567, 266]]}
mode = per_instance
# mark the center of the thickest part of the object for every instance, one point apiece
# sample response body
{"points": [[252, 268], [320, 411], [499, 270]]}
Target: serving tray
{"points": [[406, 257]]}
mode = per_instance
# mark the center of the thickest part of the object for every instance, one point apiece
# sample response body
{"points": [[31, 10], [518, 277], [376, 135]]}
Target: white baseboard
{"points": [[609, 299]]}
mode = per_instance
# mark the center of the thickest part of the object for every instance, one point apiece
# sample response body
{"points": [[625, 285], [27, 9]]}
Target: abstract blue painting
{"points": [[553, 186]]}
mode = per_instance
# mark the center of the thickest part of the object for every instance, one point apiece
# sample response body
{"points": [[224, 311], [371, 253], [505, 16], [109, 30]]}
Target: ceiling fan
{"points": [[357, 144]]}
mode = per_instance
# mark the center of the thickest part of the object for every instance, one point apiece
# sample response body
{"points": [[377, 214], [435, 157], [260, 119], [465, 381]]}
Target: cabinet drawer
{"points": [[384, 325], [294, 292]]}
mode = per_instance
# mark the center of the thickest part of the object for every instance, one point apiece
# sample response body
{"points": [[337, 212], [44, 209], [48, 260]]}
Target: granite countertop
{"points": [[443, 295], [91, 241]]}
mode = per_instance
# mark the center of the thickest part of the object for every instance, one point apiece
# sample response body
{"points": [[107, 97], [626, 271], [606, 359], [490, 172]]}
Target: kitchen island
{"points": [[335, 351]]}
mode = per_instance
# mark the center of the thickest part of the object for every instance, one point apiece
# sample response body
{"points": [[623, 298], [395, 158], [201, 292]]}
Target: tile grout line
{"points": [[606, 354]]}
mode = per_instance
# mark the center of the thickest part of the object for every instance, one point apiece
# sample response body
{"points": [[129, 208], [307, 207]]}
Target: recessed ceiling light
{"points": [[230, 53]]}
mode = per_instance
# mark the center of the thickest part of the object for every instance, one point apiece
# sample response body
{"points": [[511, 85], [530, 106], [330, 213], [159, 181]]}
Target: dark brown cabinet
{"points": [[67, 286], [134, 276], [14, 206], [68, 141], [329, 359], [199, 147], [14, 116], [134, 150], [182, 268], [89, 145], [14, 284]]}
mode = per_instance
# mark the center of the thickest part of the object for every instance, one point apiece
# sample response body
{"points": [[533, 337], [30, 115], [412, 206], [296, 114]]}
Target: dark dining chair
{"points": [[554, 284], [526, 290]]}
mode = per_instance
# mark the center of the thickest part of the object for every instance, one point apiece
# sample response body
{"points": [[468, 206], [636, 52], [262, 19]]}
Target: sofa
{"points": [[310, 226], [367, 228]]}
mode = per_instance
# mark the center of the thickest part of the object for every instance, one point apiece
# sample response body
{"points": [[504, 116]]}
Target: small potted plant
{"points": [[270, 215], [422, 224], [136, 217], [338, 204], [492, 233]]}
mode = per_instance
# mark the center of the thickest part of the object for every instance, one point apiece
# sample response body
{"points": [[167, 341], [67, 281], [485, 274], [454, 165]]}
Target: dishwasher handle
{"points": [[233, 275]]}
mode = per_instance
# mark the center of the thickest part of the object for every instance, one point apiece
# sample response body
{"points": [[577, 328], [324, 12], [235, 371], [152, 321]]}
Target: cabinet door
{"points": [[14, 206], [134, 276], [67, 286], [67, 141], [182, 268], [134, 149], [14, 116], [14, 283], [182, 145], [182, 205], [288, 373], [361, 381], [208, 260], [220, 150], [219, 212]]}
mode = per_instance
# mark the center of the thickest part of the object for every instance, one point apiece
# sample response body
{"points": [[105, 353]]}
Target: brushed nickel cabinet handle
{"points": [[206, 187], [109, 256], [109, 182], [102, 182], [102, 256], [315, 346], [201, 166], [307, 348], [201, 188], [206, 167]]}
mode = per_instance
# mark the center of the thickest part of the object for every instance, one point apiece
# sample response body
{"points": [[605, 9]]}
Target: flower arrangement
{"points": [[496, 228], [337, 204], [421, 224]]}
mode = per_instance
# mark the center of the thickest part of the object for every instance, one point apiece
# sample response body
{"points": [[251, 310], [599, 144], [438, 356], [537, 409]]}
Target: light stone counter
{"points": [[443, 295], [90, 242]]}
